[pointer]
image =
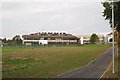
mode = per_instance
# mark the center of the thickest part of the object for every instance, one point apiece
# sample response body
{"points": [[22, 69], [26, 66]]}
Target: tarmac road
{"points": [[93, 70]]}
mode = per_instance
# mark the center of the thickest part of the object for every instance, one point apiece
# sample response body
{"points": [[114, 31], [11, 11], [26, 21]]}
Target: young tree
{"points": [[94, 38]]}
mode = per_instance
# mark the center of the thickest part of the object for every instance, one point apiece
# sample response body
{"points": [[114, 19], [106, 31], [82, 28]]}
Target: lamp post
{"points": [[113, 55], [62, 38], [43, 38]]}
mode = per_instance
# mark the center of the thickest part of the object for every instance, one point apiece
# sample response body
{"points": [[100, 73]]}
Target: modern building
{"points": [[109, 37], [85, 39], [49, 38], [1, 43]]}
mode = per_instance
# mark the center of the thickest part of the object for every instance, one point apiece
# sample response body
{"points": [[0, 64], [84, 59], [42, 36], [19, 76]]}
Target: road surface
{"points": [[93, 70]]}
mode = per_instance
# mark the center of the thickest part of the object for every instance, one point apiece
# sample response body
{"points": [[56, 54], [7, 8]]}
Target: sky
{"points": [[70, 16]]}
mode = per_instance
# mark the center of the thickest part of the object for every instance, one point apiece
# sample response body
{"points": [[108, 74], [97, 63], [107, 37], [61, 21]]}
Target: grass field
{"points": [[48, 61]]}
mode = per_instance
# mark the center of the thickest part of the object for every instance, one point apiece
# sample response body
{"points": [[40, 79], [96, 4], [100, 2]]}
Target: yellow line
{"points": [[105, 71]]}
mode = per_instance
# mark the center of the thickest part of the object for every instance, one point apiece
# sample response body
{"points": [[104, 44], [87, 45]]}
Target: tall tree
{"points": [[108, 16], [94, 38]]}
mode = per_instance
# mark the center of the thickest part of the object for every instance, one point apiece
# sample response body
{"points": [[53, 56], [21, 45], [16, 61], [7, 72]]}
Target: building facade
{"points": [[85, 39], [1, 43], [49, 38]]}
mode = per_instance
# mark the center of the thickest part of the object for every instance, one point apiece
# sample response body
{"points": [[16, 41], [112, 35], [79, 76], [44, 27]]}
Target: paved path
{"points": [[93, 70]]}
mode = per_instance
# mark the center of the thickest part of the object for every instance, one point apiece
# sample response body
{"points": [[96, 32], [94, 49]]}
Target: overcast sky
{"points": [[72, 17]]}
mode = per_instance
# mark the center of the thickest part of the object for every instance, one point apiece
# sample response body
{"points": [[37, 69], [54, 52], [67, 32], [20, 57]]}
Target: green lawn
{"points": [[47, 62]]}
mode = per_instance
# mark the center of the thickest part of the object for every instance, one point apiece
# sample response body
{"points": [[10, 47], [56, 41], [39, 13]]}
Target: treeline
{"points": [[15, 41]]}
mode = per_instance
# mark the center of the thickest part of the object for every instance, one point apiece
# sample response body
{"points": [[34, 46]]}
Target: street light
{"points": [[62, 38], [113, 59], [43, 38]]}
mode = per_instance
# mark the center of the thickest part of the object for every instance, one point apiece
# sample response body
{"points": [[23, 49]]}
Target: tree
{"points": [[116, 36], [17, 40], [4, 40], [108, 16], [94, 38]]}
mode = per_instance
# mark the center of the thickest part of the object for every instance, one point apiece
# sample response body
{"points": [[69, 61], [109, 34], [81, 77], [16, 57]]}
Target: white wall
{"points": [[81, 40], [43, 41], [109, 37]]}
